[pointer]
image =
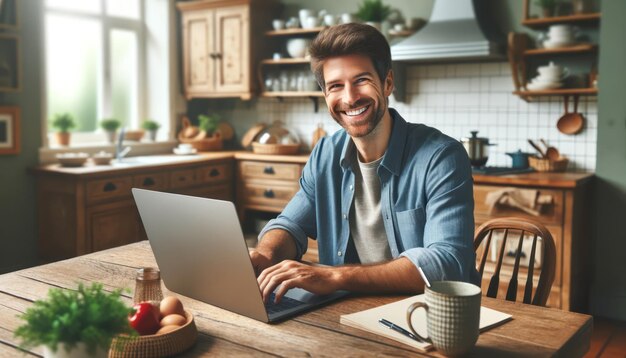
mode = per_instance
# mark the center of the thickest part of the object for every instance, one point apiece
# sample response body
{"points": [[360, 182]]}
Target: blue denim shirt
{"points": [[426, 201]]}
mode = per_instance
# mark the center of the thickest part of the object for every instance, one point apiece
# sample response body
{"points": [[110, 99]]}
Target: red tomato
{"points": [[146, 318]]}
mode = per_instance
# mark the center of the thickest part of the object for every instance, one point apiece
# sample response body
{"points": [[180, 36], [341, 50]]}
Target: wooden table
{"points": [[534, 331]]}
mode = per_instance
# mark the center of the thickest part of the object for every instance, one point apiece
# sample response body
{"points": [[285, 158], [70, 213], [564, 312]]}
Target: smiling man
{"points": [[382, 197]]}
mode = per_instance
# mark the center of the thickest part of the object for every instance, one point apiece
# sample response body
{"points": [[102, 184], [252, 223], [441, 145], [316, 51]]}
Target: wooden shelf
{"points": [[538, 23], [528, 95], [298, 31], [286, 61], [293, 94], [582, 48]]}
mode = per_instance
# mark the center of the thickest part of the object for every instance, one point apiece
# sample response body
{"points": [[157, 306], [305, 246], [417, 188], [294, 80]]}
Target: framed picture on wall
{"points": [[9, 130], [9, 63], [8, 14]]}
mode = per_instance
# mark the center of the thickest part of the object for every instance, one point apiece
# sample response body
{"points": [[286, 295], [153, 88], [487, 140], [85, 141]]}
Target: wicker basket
{"points": [[546, 165], [275, 148], [202, 143], [154, 345]]}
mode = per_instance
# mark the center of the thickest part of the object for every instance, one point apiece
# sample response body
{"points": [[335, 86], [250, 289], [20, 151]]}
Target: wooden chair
{"points": [[518, 227]]}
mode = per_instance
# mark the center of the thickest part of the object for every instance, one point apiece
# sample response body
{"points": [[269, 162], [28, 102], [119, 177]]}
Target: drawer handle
{"points": [[148, 182], [269, 170], [268, 193], [109, 187], [182, 178], [214, 173], [512, 253]]}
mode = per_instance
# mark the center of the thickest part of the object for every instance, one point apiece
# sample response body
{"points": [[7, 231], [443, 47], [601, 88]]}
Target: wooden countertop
{"points": [[533, 331], [536, 179], [541, 179]]}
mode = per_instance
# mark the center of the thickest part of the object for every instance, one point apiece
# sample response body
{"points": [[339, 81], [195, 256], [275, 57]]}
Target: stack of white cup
{"points": [[550, 77], [560, 36]]}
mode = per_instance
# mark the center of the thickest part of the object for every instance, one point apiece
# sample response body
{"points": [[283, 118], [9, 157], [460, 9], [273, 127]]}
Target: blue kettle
{"points": [[520, 159]]}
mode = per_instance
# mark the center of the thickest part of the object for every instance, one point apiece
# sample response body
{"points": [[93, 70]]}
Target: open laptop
{"points": [[201, 253]]}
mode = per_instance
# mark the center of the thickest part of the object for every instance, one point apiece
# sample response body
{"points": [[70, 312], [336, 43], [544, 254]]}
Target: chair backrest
{"points": [[508, 229]]}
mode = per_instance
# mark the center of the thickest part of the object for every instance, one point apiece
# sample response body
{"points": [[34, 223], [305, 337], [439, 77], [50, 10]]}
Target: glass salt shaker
{"points": [[148, 286]]}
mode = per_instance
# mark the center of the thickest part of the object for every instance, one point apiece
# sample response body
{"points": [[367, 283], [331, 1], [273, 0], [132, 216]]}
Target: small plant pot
{"points": [[152, 134], [63, 138], [111, 136]]}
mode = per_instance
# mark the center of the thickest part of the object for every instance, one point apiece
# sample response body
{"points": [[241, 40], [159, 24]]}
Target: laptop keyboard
{"points": [[284, 304]]}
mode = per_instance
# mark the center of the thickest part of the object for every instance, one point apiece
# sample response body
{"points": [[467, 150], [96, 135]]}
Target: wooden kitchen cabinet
{"points": [[566, 217], [220, 46], [87, 209]]}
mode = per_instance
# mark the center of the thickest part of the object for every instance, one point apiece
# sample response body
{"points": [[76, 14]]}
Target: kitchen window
{"points": [[97, 66]]}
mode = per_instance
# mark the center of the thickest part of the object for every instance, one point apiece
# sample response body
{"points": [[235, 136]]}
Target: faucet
{"points": [[120, 151]]}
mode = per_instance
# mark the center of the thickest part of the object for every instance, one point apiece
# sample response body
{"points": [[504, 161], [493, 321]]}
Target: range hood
{"points": [[454, 33]]}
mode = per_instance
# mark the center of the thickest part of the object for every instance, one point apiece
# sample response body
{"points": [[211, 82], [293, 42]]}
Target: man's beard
{"points": [[372, 120]]}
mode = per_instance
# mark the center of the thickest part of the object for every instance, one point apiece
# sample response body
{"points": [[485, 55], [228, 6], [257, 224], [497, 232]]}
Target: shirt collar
{"points": [[392, 160]]}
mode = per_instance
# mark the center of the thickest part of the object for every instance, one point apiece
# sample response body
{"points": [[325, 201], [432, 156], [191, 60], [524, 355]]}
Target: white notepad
{"points": [[396, 312]]}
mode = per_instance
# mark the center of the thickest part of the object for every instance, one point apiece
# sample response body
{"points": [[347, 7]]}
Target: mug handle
{"points": [[409, 313]]}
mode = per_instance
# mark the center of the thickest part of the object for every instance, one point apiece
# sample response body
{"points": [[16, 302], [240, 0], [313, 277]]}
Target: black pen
{"points": [[398, 329]]}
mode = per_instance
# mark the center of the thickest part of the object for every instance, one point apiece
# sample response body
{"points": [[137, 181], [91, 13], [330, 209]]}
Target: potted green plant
{"points": [[81, 322], [373, 12], [547, 7], [151, 126], [208, 123], [110, 126], [63, 123]]}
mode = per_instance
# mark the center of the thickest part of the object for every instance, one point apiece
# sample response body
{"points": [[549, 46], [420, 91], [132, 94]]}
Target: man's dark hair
{"points": [[350, 39]]}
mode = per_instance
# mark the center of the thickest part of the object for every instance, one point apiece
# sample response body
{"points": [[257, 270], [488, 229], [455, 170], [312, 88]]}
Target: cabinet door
{"points": [[198, 46], [114, 224], [233, 48]]}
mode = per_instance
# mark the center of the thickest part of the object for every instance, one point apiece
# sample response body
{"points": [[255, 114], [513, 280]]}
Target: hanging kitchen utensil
{"points": [[551, 152], [537, 148], [570, 122]]}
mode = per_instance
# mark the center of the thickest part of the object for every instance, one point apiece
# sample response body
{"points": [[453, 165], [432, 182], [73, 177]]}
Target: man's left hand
{"points": [[289, 274]]}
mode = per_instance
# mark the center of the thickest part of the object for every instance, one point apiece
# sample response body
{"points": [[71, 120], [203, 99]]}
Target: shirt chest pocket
{"points": [[411, 227]]}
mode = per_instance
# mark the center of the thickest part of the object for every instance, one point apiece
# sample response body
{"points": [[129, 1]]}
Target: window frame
{"points": [[86, 141]]}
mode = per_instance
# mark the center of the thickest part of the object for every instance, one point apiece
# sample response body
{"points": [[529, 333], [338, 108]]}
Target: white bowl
{"points": [[557, 44], [183, 151], [297, 48], [72, 159], [538, 86]]}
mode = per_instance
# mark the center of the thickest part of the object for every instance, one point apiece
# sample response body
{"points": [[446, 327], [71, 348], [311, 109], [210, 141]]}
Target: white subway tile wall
{"points": [[456, 99]]}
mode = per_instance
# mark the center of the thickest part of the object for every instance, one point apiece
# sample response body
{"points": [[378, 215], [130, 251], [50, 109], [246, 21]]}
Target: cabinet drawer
{"points": [[182, 178], [271, 195], [266, 170], [550, 214], [103, 189], [214, 173], [153, 181]]}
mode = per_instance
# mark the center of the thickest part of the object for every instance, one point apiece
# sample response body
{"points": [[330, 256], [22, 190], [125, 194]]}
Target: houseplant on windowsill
{"points": [[151, 127], [373, 12], [75, 323], [63, 122], [110, 126]]}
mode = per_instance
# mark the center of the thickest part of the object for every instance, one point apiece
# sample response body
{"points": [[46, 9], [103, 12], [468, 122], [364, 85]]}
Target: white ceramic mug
{"points": [[278, 24], [310, 22], [552, 72], [330, 20], [303, 14], [452, 315], [185, 147], [347, 18]]}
